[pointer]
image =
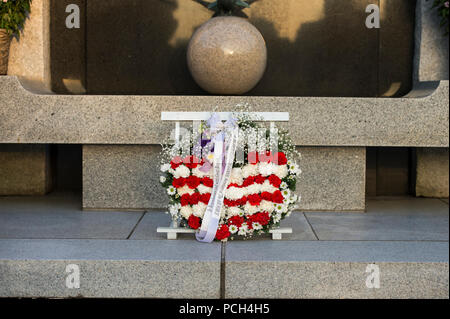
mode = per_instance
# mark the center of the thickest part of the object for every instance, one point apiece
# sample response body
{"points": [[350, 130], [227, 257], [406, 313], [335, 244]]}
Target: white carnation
{"points": [[267, 187], [266, 206], [204, 189], [199, 210], [236, 176], [234, 193], [281, 171], [234, 211], [253, 189], [181, 171], [200, 174], [185, 190], [250, 209], [186, 211], [266, 169], [249, 170]]}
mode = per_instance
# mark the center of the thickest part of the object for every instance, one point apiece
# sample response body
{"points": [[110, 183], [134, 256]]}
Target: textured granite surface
{"points": [[431, 62], [30, 55], [110, 268], [432, 172], [127, 176], [227, 56], [31, 118], [25, 170], [336, 269]]}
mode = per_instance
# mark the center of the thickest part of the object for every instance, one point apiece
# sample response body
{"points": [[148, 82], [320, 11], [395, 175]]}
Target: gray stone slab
{"points": [[386, 219], [315, 121], [432, 176], [127, 176], [431, 61], [445, 200], [146, 229], [336, 269], [60, 216], [110, 268], [25, 170]]}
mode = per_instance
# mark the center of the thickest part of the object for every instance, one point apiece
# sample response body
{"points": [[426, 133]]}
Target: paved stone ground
{"points": [[121, 255]]}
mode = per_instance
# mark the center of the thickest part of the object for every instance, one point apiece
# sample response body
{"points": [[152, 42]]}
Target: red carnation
{"points": [[191, 161], [193, 181], [254, 199], [223, 232], [194, 222], [175, 162], [266, 157], [194, 199], [253, 158], [280, 158], [236, 220], [185, 199], [277, 197], [262, 218], [208, 182], [259, 179], [275, 181], [179, 182], [242, 201], [248, 181], [204, 198], [266, 196]]}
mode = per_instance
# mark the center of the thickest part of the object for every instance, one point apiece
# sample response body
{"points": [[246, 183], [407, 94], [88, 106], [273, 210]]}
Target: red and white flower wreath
{"points": [[259, 195]]}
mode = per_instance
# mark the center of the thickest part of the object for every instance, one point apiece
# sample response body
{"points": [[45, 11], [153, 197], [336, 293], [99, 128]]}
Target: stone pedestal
{"points": [[432, 172], [127, 177], [25, 170]]}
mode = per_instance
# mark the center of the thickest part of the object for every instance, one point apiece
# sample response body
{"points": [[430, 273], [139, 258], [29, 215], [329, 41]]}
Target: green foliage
{"points": [[443, 9], [13, 14], [226, 7]]}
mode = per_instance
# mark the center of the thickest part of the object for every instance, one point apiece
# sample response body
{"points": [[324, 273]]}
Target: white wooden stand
{"points": [[173, 230]]}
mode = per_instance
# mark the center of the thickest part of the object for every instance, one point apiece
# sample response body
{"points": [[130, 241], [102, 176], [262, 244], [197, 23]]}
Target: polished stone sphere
{"points": [[227, 56]]}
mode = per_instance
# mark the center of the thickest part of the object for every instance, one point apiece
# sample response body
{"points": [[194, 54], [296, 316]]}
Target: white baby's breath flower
{"points": [[171, 190], [165, 168], [233, 229], [173, 210], [181, 171], [186, 211]]}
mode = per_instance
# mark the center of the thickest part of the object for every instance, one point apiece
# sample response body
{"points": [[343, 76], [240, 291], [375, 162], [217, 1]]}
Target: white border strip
{"points": [[204, 116]]}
